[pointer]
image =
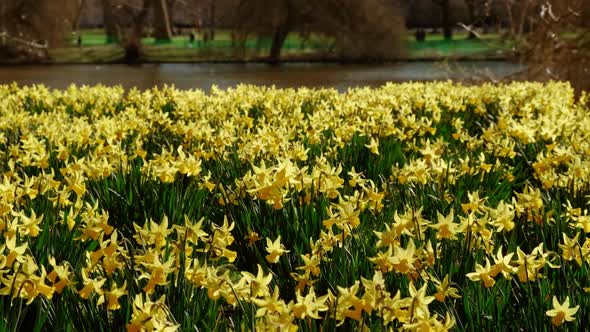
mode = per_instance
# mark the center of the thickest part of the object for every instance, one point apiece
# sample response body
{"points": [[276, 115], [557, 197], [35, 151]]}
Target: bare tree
{"points": [[369, 29], [265, 18], [162, 19], [32, 26], [552, 38], [127, 19], [447, 24], [78, 14], [110, 21], [477, 12]]}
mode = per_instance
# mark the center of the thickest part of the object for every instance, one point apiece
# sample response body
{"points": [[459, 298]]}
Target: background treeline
{"points": [[552, 34]]}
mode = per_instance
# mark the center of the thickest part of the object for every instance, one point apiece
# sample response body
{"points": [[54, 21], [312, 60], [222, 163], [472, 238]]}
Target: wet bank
{"points": [[204, 75]]}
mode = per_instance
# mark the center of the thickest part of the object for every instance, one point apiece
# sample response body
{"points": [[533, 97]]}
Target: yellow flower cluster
{"points": [[293, 147]]}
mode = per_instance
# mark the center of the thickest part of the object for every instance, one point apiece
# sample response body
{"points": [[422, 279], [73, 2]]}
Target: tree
{"points": [[78, 13], [42, 20], [369, 29], [162, 19], [285, 20], [33, 26], [447, 24], [110, 22], [266, 18], [126, 19], [212, 11], [438, 14], [124, 22], [552, 38], [475, 16]]}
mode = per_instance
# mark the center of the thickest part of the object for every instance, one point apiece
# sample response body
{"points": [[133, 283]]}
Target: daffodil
{"points": [[311, 264], [150, 315], [153, 233], [571, 249], [221, 239], [446, 228], [420, 301], [403, 259], [91, 285], [349, 305], [309, 305], [444, 290], [271, 303], [157, 273], [258, 284], [61, 272], [375, 291], [29, 225], [252, 238], [503, 264], [384, 260], [482, 273], [373, 146], [275, 250], [112, 296], [389, 237], [15, 253], [562, 312], [502, 217]]}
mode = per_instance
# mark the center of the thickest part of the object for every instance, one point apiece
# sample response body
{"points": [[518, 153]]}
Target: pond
{"points": [[203, 76]]}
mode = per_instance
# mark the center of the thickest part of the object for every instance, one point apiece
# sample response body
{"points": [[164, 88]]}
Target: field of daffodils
{"points": [[414, 207]]}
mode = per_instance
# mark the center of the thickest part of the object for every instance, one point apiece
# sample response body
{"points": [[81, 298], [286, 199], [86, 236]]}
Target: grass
{"points": [[96, 48], [88, 54], [460, 47]]}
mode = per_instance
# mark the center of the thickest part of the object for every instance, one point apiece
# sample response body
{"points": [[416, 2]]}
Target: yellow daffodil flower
{"points": [[562, 312]]}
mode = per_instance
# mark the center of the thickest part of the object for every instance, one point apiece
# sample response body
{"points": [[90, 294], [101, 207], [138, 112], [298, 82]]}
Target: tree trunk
{"points": [[110, 22], [446, 16], [162, 28], [52, 20], [278, 40], [132, 44], [76, 22], [212, 20], [472, 18], [284, 23]]}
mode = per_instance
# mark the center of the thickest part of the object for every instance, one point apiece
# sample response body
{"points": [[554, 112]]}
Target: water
{"points": [[203, 76]]}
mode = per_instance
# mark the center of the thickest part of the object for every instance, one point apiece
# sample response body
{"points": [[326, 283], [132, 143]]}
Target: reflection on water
{"points": [[203, 76]]}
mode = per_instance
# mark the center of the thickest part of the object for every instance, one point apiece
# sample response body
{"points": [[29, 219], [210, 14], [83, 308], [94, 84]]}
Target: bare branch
{"points": [[29, 43]]}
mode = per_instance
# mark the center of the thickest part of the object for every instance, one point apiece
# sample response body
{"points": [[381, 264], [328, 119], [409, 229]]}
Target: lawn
{"points": [[411, 206], [96, 48]]}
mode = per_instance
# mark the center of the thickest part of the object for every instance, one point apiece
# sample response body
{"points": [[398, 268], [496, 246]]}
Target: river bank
{"points": [[224, 75], [95, 49]]}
